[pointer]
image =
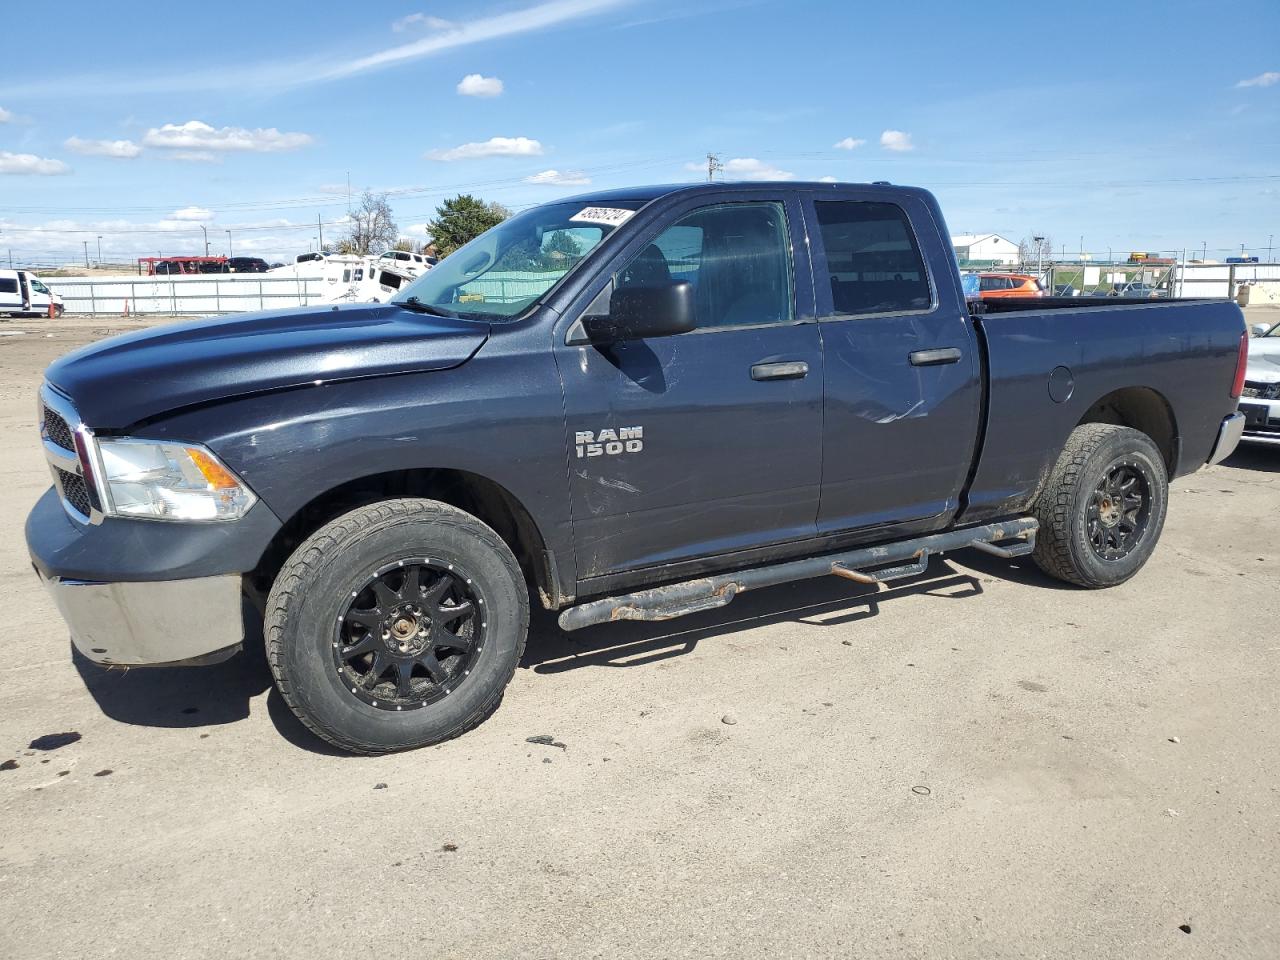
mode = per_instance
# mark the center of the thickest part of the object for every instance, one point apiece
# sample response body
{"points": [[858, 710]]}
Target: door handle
{"points": [[933, 358], [796, 370]]}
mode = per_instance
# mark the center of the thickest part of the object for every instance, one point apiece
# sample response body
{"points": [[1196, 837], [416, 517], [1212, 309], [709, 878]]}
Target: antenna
{"points": [[713, 165]]}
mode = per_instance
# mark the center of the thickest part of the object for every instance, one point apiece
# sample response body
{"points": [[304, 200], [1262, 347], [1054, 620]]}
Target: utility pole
{"points": [[348, 192], [1204, 250], [206, 239], [230, 250], [1270, 239], [713, 165], [99, 251], [86, 253], [1039, 255], [320, 227]]}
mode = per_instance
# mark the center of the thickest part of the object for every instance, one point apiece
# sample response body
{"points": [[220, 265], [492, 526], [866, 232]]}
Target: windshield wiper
{"points": [[417, 306]]}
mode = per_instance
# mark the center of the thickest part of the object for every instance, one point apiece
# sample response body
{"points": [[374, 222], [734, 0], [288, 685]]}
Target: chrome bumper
{"points": [[152, 623], [1228, 438]]}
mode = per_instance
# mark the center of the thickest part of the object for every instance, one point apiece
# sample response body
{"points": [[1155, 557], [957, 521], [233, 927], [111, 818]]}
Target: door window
{"points": [[737, 256], [873, 258]]}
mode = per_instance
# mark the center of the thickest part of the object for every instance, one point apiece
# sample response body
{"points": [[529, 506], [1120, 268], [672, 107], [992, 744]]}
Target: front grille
{"points": [[74, 491], [1260, 390], [58, 431]]}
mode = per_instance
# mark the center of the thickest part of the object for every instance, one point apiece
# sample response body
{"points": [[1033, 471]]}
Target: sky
{"points": [[1103, 126]]}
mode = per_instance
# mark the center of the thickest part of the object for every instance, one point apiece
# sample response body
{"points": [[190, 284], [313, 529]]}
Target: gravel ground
{"points": [[978, 763]]}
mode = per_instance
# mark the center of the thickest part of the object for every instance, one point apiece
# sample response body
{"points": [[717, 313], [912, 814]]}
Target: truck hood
{"points": [[1264, 360], [117, 382]]}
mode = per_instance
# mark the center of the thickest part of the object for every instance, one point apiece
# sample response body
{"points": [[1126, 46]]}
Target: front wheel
{"points": [[1103, 507], [397, 625]]}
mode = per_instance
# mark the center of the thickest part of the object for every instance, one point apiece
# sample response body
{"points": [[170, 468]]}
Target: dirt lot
{"points": [[977, 764]]}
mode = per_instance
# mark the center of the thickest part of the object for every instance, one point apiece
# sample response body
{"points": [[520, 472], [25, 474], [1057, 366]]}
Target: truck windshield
{"points": [[503, 271]]}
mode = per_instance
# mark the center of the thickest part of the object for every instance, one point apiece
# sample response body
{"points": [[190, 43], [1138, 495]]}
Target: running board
{"points": [[868, 565]]}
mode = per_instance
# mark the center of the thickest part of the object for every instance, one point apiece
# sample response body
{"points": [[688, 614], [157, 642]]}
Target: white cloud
{"points": [[897, 141], [1268, 79], [475, 85], [5, 115], [195, 214], [493, 147], [746, 168], [278, 74], [421, 20], [195, 156], [29, 163], [199, 136], [828, 180], [119, 149], [557, 178], [849, 143]]}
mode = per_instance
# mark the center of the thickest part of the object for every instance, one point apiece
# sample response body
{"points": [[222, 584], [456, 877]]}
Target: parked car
{"points": [[1065, 290], [1260, 398], [23, 294], [1134, 289], [247, 265], [998, 286], [404, 262], [678, 412]]}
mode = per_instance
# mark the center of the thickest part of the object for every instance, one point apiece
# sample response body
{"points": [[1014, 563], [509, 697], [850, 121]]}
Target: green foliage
{"points": [[461, 219]]}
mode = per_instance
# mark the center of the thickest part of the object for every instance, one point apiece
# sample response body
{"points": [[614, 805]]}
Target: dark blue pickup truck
{"points": [[629, 405]]}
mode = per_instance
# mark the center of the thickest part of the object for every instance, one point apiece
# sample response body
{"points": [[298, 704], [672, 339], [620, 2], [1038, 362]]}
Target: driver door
{"points": [[707, 442]]}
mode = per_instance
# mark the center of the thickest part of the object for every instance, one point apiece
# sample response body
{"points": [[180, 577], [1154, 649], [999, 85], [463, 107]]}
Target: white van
{"points": [[23, 295]]}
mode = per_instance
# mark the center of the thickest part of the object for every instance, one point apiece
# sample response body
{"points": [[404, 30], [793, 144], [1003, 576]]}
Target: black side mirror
{"points": [[639, 312]]}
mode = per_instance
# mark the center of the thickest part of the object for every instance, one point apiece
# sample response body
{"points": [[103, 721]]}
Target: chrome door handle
{"points": [[933, 358], [779, 371]]}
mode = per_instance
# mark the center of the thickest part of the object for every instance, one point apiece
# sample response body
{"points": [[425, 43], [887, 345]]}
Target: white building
{"points": [[990, 247]]}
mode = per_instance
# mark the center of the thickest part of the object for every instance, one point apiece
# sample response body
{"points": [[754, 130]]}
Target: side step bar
{"points": [[867, 565]]}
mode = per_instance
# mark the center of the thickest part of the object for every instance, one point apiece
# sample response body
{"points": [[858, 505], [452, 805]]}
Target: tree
{"points": [[372, 229], [461, 219], [1030, 252]]}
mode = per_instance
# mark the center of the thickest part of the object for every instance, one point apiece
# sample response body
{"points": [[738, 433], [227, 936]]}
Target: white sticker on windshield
{"points": [[610, 216]]}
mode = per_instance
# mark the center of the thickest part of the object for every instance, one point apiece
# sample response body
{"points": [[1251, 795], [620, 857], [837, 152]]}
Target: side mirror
{"points": [[1259, 330], [639, 312]]}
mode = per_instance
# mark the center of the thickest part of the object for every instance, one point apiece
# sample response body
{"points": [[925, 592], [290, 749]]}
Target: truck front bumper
{"points": [[148, 592], [164, 622], [1262, 423]]}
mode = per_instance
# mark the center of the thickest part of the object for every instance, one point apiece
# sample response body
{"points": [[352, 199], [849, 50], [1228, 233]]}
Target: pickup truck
{"points": [[634, 404]]}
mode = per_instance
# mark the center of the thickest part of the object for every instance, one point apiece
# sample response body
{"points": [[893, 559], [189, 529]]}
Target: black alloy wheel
{"points": [[410, 635], [1118, 511]]}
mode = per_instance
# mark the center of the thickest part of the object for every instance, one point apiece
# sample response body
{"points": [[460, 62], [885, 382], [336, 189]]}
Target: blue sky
{"points": [[1134, 126]]}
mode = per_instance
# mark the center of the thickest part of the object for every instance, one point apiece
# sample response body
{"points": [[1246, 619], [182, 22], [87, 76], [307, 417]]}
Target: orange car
{"points": [[997, 286]]}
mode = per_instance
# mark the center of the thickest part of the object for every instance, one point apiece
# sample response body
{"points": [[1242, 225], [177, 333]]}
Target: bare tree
{"points": [[1030, 251], [372, 229]]}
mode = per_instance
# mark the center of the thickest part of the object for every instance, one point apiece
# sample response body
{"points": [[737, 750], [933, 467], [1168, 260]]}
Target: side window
{"points": [[8, 285], [737, 256], [873, 258], [38, 287]]}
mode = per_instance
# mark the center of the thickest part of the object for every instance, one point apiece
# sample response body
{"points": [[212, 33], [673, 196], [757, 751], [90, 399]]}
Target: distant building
{"points": [[985, 248]]}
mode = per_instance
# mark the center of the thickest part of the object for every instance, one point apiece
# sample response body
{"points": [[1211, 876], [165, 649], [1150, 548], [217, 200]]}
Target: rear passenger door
{"points": [[901, 384]]}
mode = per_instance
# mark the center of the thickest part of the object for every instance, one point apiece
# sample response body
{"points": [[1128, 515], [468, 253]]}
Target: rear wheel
{"points": [[1103, 508], [396, 625]]}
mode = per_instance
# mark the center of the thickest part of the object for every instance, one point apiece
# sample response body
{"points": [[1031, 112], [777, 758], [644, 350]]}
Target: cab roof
{"points": [[645, 194]]}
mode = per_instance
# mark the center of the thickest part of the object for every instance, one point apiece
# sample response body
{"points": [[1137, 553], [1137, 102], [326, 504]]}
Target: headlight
{"points": [[169, 481]]}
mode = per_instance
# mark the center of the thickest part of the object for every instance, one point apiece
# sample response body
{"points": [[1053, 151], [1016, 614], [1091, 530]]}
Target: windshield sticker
{"points": [[610, 216]]}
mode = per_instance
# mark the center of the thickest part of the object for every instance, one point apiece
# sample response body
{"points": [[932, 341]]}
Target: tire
{"points": [[1091, 533], [347, 588]]}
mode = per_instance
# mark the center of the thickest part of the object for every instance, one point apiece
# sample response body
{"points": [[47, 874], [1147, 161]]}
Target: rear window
{"points": [[872, 257]]}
